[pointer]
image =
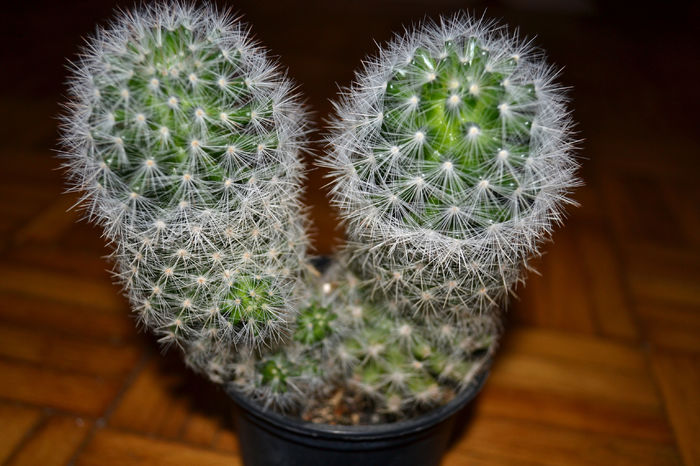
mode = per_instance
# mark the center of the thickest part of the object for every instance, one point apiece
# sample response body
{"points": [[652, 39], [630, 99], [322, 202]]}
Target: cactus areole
{"points": [[451, 162]]}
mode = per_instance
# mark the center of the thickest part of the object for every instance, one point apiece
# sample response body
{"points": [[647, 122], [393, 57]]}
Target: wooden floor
{"points": [[601, 361]]}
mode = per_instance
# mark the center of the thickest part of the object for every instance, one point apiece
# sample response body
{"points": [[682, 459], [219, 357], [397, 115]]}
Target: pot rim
{"points": [[360, 432]]}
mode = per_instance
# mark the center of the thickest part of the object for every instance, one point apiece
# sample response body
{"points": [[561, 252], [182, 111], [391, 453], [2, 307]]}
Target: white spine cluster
{"points": [[405, 365], [185, 139], [346, 344], [451, 156]]}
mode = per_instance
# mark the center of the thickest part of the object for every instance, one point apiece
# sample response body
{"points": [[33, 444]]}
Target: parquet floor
{"points": [[601, 362]]}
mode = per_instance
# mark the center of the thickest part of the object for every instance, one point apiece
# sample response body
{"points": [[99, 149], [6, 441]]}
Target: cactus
{"points": [[396, 367], [451, 159], [283, 378], [406, 365], [452, 162], [185, 139]]}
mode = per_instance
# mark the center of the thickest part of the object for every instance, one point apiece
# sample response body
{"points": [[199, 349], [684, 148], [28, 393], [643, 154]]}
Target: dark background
{"points": [[633, 68]]}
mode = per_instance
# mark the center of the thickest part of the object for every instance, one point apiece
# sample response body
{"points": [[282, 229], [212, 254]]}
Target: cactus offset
{"points": [[405, 365], [344, 343], [451, 157], [283, 378], [185, 139]]}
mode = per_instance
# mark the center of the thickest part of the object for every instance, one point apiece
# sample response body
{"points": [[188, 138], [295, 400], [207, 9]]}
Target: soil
{"points": [[349, 408]]}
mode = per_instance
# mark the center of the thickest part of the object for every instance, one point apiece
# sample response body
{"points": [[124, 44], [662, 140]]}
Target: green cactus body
{"points": [[163, 124], [345, 342], [452, 161], [284, 377], [186, 141], [314, 324], [404, 366]]}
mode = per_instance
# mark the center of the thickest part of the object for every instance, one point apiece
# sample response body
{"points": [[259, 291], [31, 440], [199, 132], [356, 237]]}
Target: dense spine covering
{"points": [[452, 161], [406, 365], [345, 344], [286, 377], [185, 139]]}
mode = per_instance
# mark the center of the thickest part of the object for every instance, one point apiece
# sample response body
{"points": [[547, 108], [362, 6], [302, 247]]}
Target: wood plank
{"points": [[14, 189], [227, 440], [154, 403], [679, 378], [574, 365], [32, 199], [495, 440], [670, 325], [574, 348], [113, 447], [201, 429], [626, 193], [563, 378], [667, 273], [167, 400], [83, 235], [78, 262], [97, 293], [611, 306], [67, 319], [9, 222], [570, 299], [37, 164], [50, 223], [590, 207], [647, 258], [684, 291], [558, 297], [76, 393], [49, 350], [15, 423], [637, 155], [54, 443], [676, 286], [683, 200], [574, 412], [531, 305], [19, 202]]}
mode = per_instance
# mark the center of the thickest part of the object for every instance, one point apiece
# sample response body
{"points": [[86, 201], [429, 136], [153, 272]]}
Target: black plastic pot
{"points": [[270, 439]]}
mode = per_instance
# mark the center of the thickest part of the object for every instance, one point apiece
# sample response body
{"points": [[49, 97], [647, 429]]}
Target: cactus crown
{"points": [[451, 155], [185, 139]]}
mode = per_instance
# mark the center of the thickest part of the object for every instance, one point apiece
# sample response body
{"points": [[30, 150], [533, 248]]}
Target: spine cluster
{"points": [[451, 159], [185, 140]]}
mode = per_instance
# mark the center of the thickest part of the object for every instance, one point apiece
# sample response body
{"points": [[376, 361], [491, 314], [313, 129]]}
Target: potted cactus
{"points": [[450, 163]]}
